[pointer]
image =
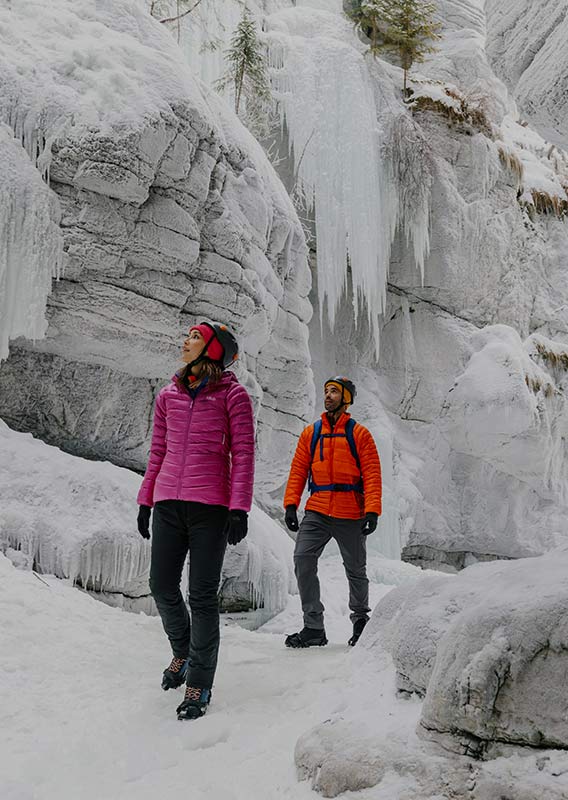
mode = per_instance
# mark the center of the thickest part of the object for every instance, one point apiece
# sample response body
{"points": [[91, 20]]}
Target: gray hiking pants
{"points": [[315, 532]]}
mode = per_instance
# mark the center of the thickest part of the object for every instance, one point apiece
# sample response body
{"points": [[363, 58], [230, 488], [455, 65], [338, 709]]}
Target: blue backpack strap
{"points": [[314, 443], [349, 428], [315, 437]]}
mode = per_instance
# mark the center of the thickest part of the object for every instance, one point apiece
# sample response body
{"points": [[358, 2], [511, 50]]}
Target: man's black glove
{"points": [[144, 521], [291, 518], [237, 526], [369, 522]]}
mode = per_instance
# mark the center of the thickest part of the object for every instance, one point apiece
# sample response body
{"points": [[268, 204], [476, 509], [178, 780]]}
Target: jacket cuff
{"points": [[145, 496]]}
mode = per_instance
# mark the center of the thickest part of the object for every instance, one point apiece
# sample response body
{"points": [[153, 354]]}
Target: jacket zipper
{"points": [[187, 424], [332, 454]]}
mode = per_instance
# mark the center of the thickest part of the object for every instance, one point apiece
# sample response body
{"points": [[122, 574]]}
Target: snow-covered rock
{"points": [[501, 667], [170, 213], [344, 755], [76, 519], [498, 456], [487, 649]]}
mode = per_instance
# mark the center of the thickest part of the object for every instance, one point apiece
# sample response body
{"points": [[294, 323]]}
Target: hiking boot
{"points": [[194, 703], [175, 674], [307, 637], [358, 626]]}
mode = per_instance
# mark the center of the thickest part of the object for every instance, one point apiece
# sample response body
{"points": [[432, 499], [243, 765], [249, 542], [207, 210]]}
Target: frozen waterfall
{"points": [[325, 95], [344, 164]]}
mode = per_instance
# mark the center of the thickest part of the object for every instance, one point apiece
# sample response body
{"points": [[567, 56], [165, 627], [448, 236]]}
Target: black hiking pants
{"points": [[179, 526]]}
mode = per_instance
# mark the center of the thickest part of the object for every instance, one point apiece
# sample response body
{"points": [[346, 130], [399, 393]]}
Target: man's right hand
{"points": [[291, 518], [144, 521]]}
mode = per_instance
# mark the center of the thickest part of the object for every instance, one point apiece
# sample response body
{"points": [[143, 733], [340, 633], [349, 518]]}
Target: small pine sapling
{"points": [[405, 28], [247, 73]]}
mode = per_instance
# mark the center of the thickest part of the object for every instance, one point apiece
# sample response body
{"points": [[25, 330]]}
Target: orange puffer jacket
{"points": [[334, 464]]}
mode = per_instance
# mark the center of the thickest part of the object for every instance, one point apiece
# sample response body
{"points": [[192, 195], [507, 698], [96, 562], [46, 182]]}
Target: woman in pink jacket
{"points": [[199, 481]]}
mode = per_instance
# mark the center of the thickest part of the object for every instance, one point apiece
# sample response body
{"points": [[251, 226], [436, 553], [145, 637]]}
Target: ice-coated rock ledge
{"points": [[76, 519]]}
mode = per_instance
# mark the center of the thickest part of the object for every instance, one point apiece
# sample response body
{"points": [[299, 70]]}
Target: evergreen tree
{"points": [[247, 68], [404, 27]]}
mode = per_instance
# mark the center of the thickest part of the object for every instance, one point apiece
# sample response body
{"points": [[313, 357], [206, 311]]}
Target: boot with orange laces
{"points": [[175, 674], [194, 703]]}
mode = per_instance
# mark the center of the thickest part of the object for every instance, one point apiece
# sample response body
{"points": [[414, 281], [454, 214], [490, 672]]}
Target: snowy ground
{"points": [[81, 702]]}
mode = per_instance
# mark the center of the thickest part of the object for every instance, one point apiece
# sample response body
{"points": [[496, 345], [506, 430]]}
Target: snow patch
{"points": [[543, 166]]}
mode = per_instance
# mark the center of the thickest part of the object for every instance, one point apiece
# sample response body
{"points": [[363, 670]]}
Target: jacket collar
{"points": [[226, 379], [339, 425]]}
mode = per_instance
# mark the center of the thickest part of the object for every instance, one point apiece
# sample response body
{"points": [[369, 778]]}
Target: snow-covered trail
{"points": [[82, 712]]}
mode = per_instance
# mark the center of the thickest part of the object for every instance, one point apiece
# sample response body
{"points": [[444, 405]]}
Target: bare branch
{"points": [[181, 16], [40, 579]]}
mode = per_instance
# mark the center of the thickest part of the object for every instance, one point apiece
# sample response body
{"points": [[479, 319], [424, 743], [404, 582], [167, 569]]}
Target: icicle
{"points": [[326, 98], [31, 247]]}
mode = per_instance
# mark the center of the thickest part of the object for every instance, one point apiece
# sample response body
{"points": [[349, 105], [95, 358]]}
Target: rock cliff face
{"points": [[493, 422], [170, 213], [525, 45], [454, 355]]}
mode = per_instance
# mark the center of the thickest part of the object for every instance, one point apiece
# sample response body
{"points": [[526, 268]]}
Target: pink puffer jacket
{"points": [[202, 449]]}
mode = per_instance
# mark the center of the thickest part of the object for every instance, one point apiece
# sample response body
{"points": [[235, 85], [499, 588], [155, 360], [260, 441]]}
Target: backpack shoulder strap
{"points": [[349, 428], [315, 437]]}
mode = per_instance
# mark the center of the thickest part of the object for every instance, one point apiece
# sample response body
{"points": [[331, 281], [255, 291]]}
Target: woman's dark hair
{"points": [[209, 369]]}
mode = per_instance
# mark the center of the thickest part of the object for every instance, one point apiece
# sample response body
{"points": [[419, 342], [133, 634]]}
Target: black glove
{"points": [[291, 518], [144, 521], [369, 522], [236, 526]]}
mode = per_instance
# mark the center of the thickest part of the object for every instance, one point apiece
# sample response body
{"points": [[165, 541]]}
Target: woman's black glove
{"points": [[144, 521], [237, 526], [369, 522], [291, 518]]}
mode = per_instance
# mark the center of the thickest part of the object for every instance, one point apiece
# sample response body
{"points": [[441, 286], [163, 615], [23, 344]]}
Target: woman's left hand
{"points": [[237, 526]]}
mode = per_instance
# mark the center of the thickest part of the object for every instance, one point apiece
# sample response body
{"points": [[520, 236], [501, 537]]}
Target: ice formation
{"points": [[76, 519], [31, 245], [323, 87], [70, 517], [339, 140], [261, 568]]}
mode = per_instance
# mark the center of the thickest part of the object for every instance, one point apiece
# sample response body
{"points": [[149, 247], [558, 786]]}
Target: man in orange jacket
{"points": [[338, 458]]}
